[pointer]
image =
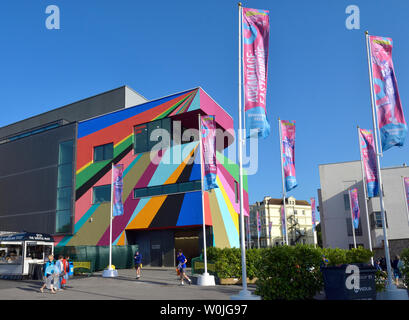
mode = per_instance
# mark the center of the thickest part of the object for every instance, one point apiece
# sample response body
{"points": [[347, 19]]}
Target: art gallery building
{"points": [[55, 175]]}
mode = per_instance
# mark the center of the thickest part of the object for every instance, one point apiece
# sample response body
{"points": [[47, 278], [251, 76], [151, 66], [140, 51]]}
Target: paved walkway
{"points": [[155, 284]]}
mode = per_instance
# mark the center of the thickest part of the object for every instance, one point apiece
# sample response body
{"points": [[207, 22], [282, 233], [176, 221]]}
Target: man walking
{"points": [[182, 266], [138, 263]]}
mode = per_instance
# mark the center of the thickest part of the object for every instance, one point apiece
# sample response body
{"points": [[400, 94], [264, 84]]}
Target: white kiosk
{"points": [[22, 252]]}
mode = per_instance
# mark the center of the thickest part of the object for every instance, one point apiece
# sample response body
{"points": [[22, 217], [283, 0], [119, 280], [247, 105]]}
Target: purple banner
{"points": [[313, 212], [117, 185], [354, 204], [208, 133], [392, 124], [288, 155], [256, 30], [258, 225], [283, 221], [368, 155]]}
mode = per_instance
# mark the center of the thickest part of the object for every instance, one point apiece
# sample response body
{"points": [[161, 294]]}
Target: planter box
{"points": [[335, 279], [252, 281]]}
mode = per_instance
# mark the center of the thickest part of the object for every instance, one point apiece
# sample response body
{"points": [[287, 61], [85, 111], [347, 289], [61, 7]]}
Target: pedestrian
{"points": [[59, 272], [383, 264], [396, 270], [66, 266], [182, 266], [378, 265], [138, 263], [48, 274]]}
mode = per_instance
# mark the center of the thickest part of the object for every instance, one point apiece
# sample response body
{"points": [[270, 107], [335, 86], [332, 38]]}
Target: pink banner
{"points": [[392, 124], [208, 133], [117, 185], [288, 153], [313, 212], [368, 155], [353, 200], [256, 30]]}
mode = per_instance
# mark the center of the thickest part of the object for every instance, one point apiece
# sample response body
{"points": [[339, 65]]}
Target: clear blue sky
{"points": [[317, 73]]}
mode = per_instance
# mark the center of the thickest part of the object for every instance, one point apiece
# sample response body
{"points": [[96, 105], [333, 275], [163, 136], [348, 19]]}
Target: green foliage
{"points": [[285, 272], [290, 273], [404, 256]]}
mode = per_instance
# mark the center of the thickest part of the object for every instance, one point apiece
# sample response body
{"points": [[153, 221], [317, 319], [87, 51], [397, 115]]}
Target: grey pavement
{"points": [[154, 284]]}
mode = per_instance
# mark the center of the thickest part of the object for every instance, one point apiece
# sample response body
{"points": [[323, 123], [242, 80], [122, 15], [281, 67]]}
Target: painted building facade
{"points": [[155, 142]]}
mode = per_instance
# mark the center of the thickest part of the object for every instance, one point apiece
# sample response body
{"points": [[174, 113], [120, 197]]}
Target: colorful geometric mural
{"points": [[150, 169]]}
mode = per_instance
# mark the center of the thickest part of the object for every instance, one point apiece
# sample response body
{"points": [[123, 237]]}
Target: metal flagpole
{"points": [[205, 279], [365, 197], [282, 178], [352, 217], [110, 272], [390, 284], [244, 293]]}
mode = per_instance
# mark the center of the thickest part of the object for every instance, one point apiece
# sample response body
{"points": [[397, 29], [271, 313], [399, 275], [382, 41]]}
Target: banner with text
{"points": [[391, 121], [117, 185], [288, 154], [256, 30], [354, 204], [368, 156], [208, 157]]}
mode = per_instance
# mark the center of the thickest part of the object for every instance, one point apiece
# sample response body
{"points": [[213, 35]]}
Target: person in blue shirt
{"points": [[49, 269], [181, 259], [138, 263]]}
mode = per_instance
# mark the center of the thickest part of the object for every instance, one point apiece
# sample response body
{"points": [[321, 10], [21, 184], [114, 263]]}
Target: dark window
{"points": [[102, 194], [358, 232], [346, 202], [376, 220], [104, 152], [236, 192], [63, 217], [145, 137], [168, 189]]}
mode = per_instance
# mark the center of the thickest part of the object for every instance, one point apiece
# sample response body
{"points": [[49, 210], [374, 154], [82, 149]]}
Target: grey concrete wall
{"points": [[28, 180]]}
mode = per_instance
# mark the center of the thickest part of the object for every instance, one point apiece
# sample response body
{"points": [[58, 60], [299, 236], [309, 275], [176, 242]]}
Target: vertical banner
{"points": [[283, 222], [391, 121], [258, 225], [288, 147], [208, 134], [368, 156], [353, 200], [313, 212], [117, 185], [256, 30], [270, 225]]}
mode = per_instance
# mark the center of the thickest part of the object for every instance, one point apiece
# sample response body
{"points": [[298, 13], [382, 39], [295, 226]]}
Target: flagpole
{"points": [[244, 293], [365, 196], [390, 284], [352, 217], [110, 272], [205, 279], [282, 178]]}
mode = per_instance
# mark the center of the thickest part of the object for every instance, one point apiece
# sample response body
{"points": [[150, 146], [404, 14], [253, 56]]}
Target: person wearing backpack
{"points": [[48, 274]]}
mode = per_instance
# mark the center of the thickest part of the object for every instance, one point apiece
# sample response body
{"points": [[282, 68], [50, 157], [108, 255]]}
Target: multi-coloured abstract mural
{"points": [[150, 170]]}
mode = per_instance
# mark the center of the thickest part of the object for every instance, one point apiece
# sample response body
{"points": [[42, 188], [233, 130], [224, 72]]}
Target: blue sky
{"points": [[317, 73]]}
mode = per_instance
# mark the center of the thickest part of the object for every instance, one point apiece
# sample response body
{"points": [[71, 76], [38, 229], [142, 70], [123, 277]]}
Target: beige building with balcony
{"points": [[299, 222]]}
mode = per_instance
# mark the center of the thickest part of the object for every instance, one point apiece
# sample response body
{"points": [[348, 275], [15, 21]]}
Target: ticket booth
{"points": [[22, 252]]}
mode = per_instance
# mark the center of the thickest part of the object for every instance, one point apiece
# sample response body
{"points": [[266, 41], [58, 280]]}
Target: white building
{"points": [[299, 222], [336, 179]]}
